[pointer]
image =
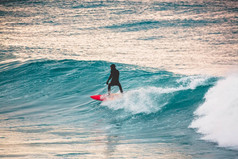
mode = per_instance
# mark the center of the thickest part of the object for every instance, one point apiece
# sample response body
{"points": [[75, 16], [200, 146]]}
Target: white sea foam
{"points": [[217, 117], [191, 82], [152, 99], [142, 100]]}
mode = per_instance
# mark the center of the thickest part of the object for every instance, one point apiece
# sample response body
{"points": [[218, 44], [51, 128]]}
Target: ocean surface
{"points": [[178, 63]]}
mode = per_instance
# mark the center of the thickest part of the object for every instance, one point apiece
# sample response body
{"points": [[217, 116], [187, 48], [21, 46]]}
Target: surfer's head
{"points": [[113, 66]]}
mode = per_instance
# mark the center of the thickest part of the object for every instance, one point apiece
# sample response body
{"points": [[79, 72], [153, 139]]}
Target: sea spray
{"points": [[153, 99], [217, 117]]}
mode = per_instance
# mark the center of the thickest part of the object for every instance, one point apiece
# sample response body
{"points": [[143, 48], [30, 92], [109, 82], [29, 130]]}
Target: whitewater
{"points": [[178, 63]]}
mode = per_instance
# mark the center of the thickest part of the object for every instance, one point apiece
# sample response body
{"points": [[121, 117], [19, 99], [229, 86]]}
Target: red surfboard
{"points": [[106, 97]]}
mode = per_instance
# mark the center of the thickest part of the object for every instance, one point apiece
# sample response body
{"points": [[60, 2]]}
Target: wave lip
{"points": [[217, 117]]}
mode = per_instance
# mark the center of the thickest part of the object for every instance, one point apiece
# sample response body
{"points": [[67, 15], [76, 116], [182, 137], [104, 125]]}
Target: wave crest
{"points": [[217, 117]]}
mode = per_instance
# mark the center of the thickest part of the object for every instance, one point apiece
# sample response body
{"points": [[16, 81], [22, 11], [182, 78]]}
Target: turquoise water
{"points": [[178, 69], [46, 112]]}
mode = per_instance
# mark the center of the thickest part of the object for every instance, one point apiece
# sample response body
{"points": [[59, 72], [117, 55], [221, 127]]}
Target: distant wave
{"points": [[152, 24]]}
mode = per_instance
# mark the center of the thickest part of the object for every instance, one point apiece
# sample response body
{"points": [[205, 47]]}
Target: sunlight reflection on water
{"points": [[172, 36]]}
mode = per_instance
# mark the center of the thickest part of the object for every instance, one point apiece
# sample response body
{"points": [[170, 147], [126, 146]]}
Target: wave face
{"points": [[46, 112]]}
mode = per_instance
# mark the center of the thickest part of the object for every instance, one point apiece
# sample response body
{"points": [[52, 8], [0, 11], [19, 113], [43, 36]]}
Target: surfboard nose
{"points": [[96, 97]]}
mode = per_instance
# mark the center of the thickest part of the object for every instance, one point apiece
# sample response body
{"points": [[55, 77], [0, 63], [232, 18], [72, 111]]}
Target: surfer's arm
{"points": [[109, 78]]}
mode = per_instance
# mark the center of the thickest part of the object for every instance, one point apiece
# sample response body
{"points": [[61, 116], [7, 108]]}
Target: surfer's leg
{"points": [[119, 85], [109, 88]]}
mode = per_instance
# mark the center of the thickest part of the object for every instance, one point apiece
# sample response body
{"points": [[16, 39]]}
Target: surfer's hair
{"points": [[113, 66]]}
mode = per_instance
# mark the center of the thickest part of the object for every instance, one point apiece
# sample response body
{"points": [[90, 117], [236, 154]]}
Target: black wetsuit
{"points": [[115, 80]]}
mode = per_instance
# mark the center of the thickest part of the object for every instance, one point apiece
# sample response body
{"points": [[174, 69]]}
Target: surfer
{"points": [[114, 77]]}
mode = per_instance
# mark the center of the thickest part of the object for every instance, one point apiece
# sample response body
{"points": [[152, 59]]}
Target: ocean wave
{"points": [[66, 79], [217, 117], [157, 105]]}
